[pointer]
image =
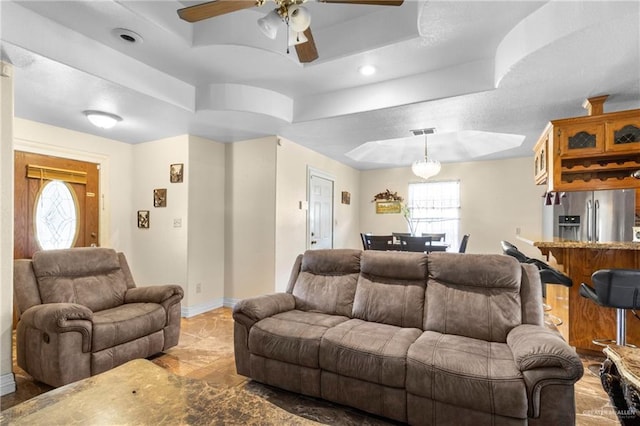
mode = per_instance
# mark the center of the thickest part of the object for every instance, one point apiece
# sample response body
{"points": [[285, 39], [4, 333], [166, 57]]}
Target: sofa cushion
{"points": [[473, 295], [466, 372], [368, 351], [292, 336], [327, 281], [112, 327], [391, 288], [89, 276]]}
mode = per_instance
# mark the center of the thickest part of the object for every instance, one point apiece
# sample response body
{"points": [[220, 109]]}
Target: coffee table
{"points": [[142, 393]]}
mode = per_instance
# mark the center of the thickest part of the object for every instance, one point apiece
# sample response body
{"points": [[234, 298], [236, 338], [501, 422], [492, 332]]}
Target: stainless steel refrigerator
{"points": [[595, 216]]}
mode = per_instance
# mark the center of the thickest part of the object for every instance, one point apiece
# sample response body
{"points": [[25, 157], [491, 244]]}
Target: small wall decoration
{"points": [[176, 173], [160, 197], [388, 202], [387, 207], [346, 197], [143, 218]]}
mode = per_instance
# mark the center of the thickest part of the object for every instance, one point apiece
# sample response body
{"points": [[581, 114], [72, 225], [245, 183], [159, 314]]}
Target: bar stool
{"points": [[615, 288], [548, 275]]}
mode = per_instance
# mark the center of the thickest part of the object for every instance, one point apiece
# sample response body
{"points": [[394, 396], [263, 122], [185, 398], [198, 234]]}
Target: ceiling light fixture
{"points": [[426, 167], [296, 17], [367, 70], [101, 119], [269, 24]]}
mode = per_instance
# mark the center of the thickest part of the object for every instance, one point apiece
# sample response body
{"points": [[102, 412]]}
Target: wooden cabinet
{"points": [[541, 163], [623, 135], [588, 153], [581, 140]]}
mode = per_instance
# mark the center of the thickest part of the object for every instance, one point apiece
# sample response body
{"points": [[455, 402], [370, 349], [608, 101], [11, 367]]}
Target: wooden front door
{"points": [[41, 184]]}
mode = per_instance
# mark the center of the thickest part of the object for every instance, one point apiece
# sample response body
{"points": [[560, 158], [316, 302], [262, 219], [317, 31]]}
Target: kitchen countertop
{"points": [[561, 243]]}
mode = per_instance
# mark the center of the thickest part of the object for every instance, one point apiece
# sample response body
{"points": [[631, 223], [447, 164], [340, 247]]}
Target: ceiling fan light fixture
{"points": [[269, 24], [296, 38], [103, 120], [299, 18]]}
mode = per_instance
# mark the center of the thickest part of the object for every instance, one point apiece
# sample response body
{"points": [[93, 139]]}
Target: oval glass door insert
{"points": [[56, 216]]}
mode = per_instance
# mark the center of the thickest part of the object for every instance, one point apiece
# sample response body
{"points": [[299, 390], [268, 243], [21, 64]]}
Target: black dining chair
{"points": [[435, 236], [416, 244], [363, 236], [379, 242], [463, 244]]}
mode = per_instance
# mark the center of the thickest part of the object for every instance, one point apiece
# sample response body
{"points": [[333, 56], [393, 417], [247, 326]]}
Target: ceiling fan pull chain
{"points": [[286, 20]]}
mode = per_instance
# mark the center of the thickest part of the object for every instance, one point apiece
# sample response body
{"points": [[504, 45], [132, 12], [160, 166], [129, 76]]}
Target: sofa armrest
{"points": [[535, 346], [61, 318], [153, 294], [249, 311], [544, 359]]}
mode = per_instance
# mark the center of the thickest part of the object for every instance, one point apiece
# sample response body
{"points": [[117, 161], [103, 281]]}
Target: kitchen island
{"points": [[582, 319]]}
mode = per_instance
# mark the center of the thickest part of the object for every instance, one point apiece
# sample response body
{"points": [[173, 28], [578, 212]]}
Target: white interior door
{"points": [[320, 212]]}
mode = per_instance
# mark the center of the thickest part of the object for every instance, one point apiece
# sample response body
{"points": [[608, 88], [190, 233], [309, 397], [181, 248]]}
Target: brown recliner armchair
{"points": [[80, 314]]}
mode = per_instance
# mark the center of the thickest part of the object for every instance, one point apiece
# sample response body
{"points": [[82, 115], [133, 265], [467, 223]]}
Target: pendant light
{"points": [[426, 167]]}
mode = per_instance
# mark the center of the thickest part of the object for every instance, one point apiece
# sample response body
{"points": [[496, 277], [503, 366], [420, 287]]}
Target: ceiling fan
{"points": [[295, 16]]}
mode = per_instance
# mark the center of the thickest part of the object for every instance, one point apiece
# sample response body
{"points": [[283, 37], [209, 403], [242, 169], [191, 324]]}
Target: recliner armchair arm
{"points": [[249, 311], [61, 318], [153, 294], [534, 346], [544, 359]]}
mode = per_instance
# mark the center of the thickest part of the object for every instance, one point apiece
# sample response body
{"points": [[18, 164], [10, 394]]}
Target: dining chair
{"points": [[436, 236], [463, 244], [363, 238], [379, 242], [416, 244]]}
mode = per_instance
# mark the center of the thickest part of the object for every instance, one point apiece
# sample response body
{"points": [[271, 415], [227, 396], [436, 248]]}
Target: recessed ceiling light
{"points": [[101, 119], [127, 35], [367, 70]]}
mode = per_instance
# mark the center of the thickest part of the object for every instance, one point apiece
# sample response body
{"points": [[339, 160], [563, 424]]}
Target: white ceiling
{"points": [[466, 67]]}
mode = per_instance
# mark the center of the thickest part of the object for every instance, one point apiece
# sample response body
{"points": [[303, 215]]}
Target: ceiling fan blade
{"points": [[368, 2], [213, 8], [307, 52]]}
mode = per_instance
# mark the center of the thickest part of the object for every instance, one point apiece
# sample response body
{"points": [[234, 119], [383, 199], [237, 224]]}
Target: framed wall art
{"points": [[143, 219], [176, 173], [160, 197], [346, 197]]}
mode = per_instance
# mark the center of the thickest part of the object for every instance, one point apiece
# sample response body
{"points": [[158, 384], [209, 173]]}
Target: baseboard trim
{"points": [[7, 384], [229, 303], [191, 311]]}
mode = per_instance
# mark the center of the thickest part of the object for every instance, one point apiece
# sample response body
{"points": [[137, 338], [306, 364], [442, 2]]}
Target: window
{"points": [[434, 207], [56, 216]]}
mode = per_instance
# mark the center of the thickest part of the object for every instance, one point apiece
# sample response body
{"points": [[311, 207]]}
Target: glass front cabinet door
{"points": [[581, 140]]}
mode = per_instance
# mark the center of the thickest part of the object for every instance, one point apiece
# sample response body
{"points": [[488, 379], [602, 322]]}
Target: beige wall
{"points": [[206, 227], [250, 200], [293, 162], [496, 198], [159, 254], [7, 382]]}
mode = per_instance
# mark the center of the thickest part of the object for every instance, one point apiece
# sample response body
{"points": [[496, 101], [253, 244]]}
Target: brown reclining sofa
{"points": [[427, 339]]}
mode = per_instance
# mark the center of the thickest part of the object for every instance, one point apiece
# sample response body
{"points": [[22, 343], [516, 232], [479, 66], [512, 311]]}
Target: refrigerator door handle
{"points": [[596, 213], [589, 220]]}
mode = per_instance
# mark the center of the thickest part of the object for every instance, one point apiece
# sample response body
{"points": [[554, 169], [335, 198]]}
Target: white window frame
{"points": [[434, 207]]}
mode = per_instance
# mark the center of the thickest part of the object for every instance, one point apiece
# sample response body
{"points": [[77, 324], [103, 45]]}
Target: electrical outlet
{"points": [[177, 223], [199, 288], [518, 231]]}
